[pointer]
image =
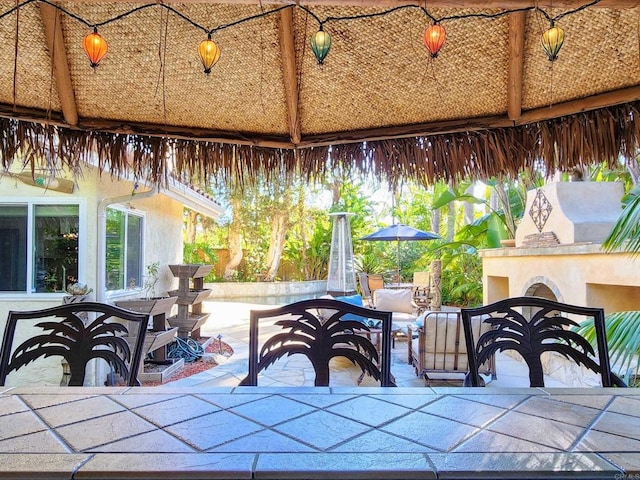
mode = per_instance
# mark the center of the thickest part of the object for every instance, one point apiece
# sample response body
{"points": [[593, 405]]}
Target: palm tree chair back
{"points": [[77, 332], [532, 326], [321, 329]]}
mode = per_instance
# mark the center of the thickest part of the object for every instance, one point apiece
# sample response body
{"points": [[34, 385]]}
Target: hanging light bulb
{"points": [[95, 47], [434, 37], [320, 44], [209, 54], [552, 41]]}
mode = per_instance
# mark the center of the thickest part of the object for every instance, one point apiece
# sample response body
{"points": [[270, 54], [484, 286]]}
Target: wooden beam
{"points": [[273, 141], [477, 4], [617, 97], [51, 19], [516, 64], [289, 72]]}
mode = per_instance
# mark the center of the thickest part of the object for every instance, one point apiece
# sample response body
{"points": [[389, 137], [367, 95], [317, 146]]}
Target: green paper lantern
{"points": [[320, 44]]}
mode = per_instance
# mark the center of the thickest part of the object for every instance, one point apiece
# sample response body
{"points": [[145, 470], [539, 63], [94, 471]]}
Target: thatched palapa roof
{"points": [[491, 103]]}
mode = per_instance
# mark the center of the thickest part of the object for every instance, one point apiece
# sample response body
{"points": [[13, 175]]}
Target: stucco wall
{"points": [[581, 274], [163, 241]]}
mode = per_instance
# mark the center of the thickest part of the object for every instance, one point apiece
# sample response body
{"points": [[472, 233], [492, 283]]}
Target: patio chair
{"points": [[437, 348], [533, 326], [422, 289], [322, 329], [363, 280], [77, 332]]}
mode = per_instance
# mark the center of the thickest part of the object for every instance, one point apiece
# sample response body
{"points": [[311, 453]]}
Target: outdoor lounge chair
{"points": [[534, 326], [321, 329], [77, 332], [436, 347]]}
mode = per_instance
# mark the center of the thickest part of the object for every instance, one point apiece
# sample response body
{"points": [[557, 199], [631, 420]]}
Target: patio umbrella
{"points": [[400, 232]]}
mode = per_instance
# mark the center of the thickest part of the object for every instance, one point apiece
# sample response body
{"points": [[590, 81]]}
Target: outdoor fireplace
{"points": [[558, 254]]}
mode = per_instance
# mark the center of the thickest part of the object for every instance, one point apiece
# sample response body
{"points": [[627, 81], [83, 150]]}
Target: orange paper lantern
{"points": [[95, 47], [434, 37]]}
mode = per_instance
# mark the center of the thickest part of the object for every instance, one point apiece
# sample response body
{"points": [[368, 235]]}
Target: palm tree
{"points": [[320, 342], [531, 338], [77, 344]]}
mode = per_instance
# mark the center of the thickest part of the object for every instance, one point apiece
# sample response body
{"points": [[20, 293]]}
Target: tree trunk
{"points": [[235, 241], [279, 227], [634, 170], [451, 221], [436, 220], [506, 208], [468, 207], [192, 222]]}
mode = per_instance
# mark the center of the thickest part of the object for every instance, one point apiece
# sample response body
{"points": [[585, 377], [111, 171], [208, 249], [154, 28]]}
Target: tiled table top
{"points": [[321, 433]]}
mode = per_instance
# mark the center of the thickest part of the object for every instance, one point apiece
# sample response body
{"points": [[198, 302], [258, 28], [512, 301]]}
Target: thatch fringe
{"points": [[563, 143]]}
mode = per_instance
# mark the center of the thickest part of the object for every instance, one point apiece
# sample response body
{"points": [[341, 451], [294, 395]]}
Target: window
{"points": [[124, 243], [38, 247]]}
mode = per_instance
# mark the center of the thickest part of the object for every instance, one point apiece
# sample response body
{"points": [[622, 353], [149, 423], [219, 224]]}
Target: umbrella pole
{"points": [[398, 269]]}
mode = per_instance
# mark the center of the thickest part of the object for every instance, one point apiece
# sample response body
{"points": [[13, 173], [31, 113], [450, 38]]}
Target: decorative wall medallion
{"points": [[540, 210]]}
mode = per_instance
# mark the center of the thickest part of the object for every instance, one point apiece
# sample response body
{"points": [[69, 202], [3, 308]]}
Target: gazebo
{"points": [[419, 90]]}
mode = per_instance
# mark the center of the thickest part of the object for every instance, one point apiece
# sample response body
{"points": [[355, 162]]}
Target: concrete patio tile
{"points": [[98, 431], [430, 430], [618, 424], [630, 462], [595, 440], [411, 400], [49, 466], [560, 411], [323, 401], [48, 400], [174, 410], [264, 441], [484, 442], [379, 441], [369, 410], [594, 401], [488, 396], [11, 405], [154, 441], [226, 401], [536, 429], [183, 466], [39, 442], [335, 430], [211, 430], [463, 410], [272, 410], [85, 409], [521, 465], [329, 466], [21, 423], [133, 400]]}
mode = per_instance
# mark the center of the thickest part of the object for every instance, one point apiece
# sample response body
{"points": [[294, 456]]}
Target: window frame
{"points": [[143, 232], [31, 203]]}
